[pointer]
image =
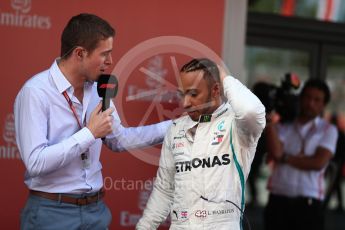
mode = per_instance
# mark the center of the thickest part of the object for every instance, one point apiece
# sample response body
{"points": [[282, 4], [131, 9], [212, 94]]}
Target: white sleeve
{"points": [[249, 111], [159, 205], [329, 139], [123, 138], [31, 114]]}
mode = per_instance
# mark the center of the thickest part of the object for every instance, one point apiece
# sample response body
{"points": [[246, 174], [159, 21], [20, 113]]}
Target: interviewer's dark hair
{"points": [[84, 30], [210, 69], [320, 85]]}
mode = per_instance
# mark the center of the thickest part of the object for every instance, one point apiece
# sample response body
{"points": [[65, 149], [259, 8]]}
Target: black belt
{"points": [[299, 199]]}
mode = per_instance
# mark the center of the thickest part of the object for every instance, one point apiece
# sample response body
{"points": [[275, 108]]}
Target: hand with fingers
{"points": [[101, 122]]}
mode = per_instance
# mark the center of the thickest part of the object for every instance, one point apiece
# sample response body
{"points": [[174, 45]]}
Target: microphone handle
{"points": [[105, 103], [105, 106]]}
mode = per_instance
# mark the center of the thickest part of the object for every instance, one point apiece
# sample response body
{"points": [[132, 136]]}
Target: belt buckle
{"points": [[81, 201], [310, 201]]}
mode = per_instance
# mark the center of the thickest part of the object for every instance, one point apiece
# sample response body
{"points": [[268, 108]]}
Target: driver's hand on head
{"points": [[101, 122]]}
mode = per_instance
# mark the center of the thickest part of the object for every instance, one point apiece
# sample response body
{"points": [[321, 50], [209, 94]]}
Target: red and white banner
{"points": [[30, 33], [328, 10]]}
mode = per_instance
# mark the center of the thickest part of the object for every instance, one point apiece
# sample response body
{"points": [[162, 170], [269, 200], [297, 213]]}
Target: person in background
{"points": [[301, 151], [59, 125]]}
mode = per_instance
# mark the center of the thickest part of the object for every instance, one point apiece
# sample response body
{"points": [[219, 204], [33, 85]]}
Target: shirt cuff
{"points": [[84, 138]]}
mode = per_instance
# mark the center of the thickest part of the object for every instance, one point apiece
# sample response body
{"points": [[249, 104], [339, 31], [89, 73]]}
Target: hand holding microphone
{"points": [[100, 123]]}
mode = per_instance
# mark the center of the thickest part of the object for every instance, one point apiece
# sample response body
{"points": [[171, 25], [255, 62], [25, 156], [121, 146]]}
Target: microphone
{"points": [[107, 86]]}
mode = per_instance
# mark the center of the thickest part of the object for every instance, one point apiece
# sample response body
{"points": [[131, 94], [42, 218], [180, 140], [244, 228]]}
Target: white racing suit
{"points": [[200, 175]]}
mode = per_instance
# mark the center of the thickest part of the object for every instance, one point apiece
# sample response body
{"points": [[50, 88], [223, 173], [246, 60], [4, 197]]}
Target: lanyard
{"points": [[70, 103]]}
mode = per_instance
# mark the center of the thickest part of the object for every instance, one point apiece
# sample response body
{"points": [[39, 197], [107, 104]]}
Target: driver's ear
{"points": [[216, 90]]}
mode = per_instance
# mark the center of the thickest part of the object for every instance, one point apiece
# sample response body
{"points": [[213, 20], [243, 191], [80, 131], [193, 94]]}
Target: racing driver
{"points": [[206, 155]]}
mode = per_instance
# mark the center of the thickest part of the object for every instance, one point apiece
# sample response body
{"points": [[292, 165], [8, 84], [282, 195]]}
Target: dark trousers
{"points": [[293, 213]]}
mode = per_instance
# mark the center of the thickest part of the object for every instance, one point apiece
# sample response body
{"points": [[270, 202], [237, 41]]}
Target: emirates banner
{"points": [[153, 40]]}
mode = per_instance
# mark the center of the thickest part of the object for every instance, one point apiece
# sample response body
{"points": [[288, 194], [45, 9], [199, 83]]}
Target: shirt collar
{"points": [[314, 122], [218, 112], [61, 81], [59, 78]]}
